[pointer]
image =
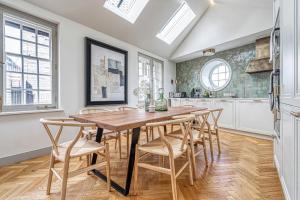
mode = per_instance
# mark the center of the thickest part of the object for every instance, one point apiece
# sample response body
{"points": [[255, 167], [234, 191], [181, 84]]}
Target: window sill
{"points": [[29, 112]]}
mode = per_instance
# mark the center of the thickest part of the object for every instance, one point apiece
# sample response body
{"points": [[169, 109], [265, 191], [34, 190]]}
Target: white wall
{"points": [[23, 133], [227, 21]]}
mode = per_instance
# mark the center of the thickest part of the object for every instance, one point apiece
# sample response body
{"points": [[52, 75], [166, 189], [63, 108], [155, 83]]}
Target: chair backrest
{"points": [[201, 118], [93, 110], [185, 127], [61, 123], [123, 108], [216, 113]]}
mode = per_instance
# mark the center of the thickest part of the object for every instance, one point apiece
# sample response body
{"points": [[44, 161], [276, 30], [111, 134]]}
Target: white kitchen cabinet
{"points": [[187, 102], [203, 103], [227, 118], [287, 43], [297, 66], [254, 116], [297, 134], [245, 115], [175, 102], [288, 137]]}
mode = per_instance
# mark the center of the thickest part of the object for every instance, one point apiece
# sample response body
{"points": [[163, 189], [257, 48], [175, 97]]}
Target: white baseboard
{"points": [[284, 188], [256, 135], [24, 156], [283, 185]]}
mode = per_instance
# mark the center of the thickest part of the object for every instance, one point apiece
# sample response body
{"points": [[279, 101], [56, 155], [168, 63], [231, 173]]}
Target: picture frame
{"points": [[106, 74]]}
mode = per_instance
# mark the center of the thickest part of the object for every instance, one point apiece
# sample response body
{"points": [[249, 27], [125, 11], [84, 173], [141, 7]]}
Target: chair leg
{"points": [[127, 141], [172, 127], [116, 142], [190, 167], [173, 177], [204, 150], [136, 169], [120, 144], [147, 134], [218, 141], [52, 160], [193, 158], [107, 156], [88, 162], [65, 179], [152, 133], [211, 145]]}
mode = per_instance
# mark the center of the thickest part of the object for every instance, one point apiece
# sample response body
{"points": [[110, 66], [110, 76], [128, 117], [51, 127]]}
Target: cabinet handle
{"points": [[295, 114], [257, 100]]}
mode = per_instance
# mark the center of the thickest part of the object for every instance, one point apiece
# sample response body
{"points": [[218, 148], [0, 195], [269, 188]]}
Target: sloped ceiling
{"points": [[142, 33], [227, 24]]}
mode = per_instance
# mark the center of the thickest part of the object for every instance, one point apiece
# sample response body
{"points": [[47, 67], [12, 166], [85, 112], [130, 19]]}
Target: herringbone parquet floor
{"points": [[244, 171]]}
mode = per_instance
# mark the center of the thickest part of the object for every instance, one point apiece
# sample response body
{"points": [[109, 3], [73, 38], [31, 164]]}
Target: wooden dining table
{"points": [[124, 120]]}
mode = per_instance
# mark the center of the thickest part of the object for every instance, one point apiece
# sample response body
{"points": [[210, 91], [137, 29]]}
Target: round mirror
{"points": [[215, 75]]}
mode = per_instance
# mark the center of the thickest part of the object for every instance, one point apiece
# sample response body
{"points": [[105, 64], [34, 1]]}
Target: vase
{"points": [[161, 104], [147, 102]]}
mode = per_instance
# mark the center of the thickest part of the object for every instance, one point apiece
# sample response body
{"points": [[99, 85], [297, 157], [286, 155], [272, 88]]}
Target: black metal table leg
{"points": [[116, 186], [134, 141], [98, 139]]}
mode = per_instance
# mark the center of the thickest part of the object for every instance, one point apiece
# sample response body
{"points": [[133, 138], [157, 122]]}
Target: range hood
{"points": [[261, 61]]}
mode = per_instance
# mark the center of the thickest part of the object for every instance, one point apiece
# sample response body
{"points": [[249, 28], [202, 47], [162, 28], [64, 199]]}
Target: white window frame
{"points": [[152, 60], [10, 13], [206, 74]]}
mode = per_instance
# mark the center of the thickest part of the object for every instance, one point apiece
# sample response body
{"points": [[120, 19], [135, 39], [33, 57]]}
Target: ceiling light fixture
{"points": [[209, 52], [177, 23], [127, 9]]}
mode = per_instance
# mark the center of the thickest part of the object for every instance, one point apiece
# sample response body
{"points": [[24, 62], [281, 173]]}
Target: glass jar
{"points": [[161, 104], [147, 102]]}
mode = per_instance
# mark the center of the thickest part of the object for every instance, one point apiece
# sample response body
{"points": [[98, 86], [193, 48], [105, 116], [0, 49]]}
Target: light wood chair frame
{"points": [[108, 135], [185, 125], [213, 129], [199, 125], [172, 126], [148, 131], [54, 158]]}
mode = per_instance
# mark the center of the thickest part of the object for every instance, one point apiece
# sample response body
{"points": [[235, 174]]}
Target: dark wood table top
{"points": [[129, 119]]}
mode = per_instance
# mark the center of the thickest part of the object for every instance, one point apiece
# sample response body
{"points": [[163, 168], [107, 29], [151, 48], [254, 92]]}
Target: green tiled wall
{"points": [[244, 85]]}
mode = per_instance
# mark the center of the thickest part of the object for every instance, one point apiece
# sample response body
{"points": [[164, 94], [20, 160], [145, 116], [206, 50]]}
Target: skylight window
{"points": [[127, 9], [177, 23]]}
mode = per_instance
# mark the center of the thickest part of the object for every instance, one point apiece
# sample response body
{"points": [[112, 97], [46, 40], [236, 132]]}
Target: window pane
{"points": [[222, 76], [43, 38], [12, 45], [45, 67], [45, 97], [30, 65], [43, 52], [28, 34], [30, 97], [13, 80], [222, 83], [13, 97], [30, 81], [215, 83], [45, 82], [13, 63], [29, 49], [12, 29], [214, 76], [222, 68]]}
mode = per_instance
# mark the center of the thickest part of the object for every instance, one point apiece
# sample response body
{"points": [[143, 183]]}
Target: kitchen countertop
{"points": [[224, 98]]}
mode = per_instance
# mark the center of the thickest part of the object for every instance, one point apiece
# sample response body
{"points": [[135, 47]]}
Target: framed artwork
{"points": [[106, 74]]}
